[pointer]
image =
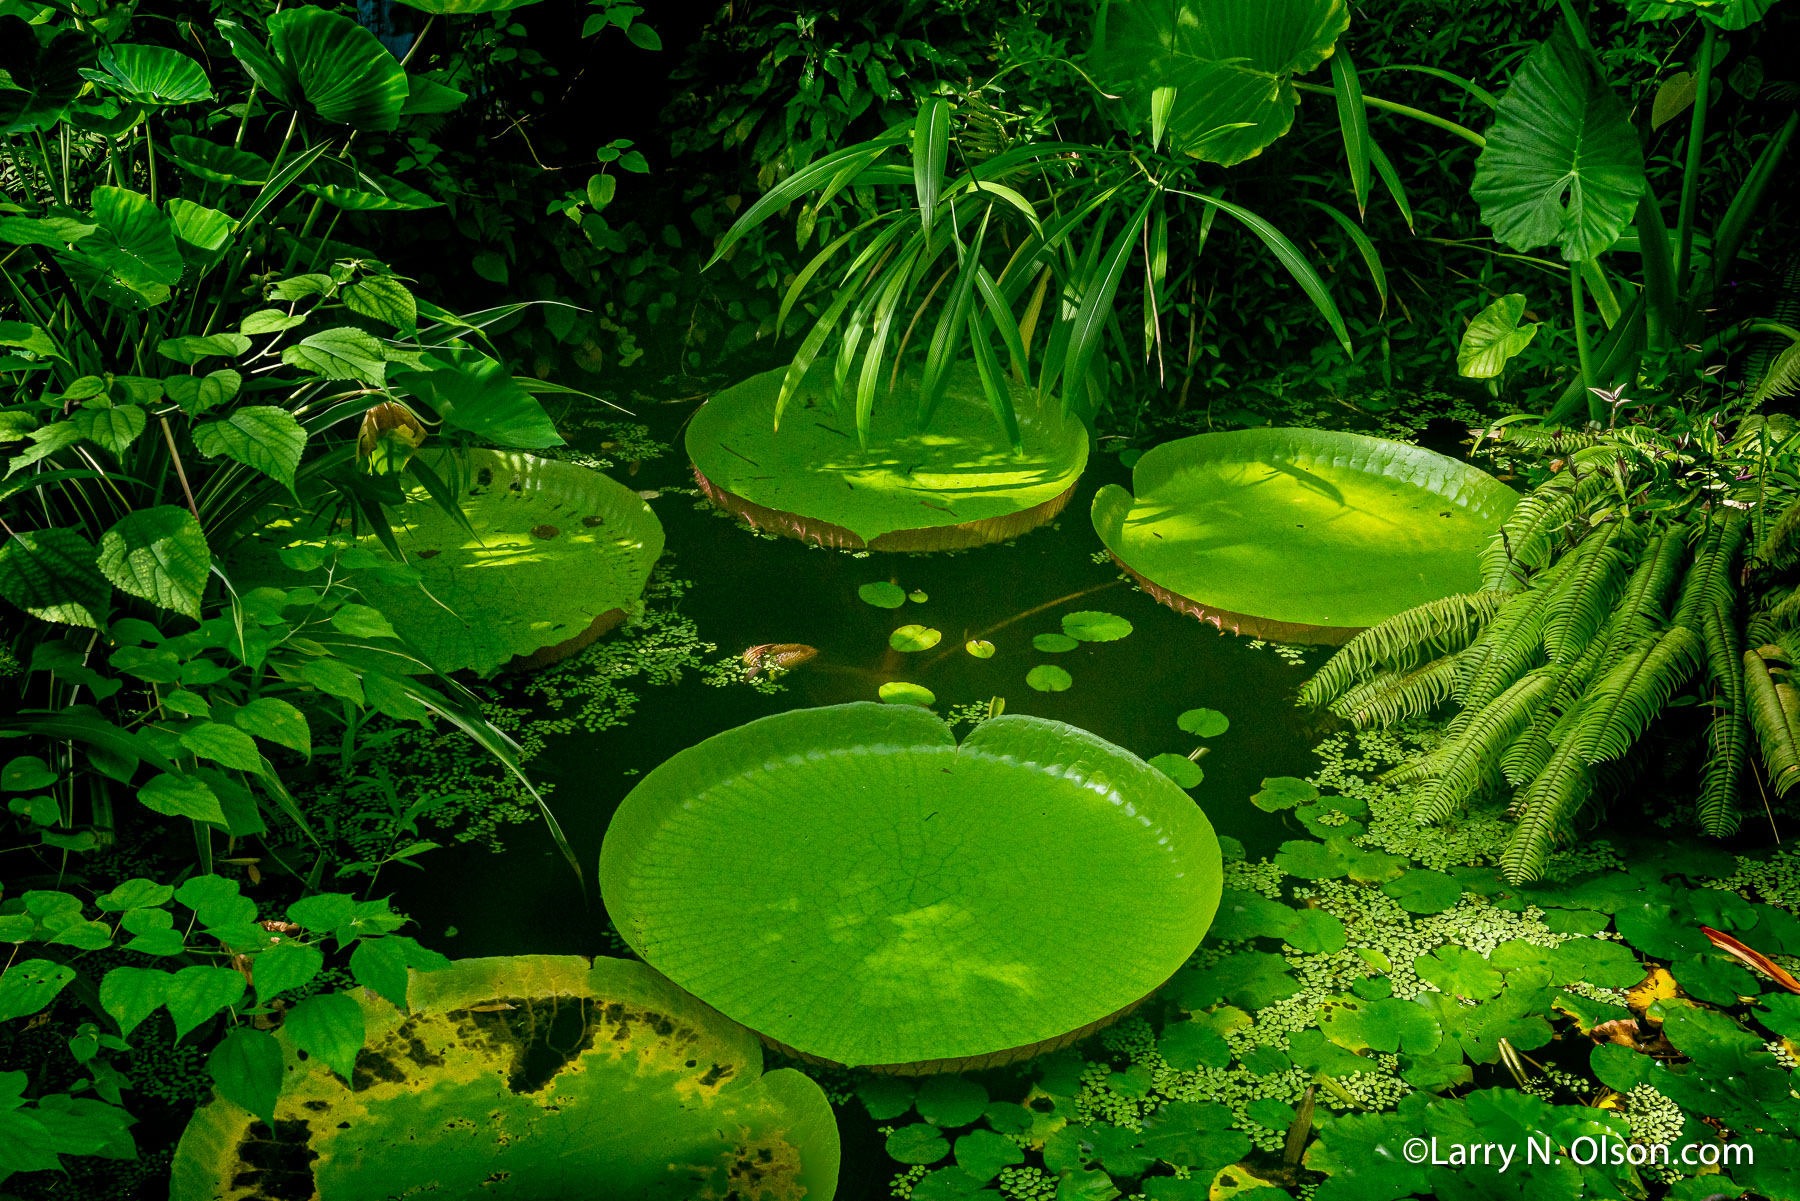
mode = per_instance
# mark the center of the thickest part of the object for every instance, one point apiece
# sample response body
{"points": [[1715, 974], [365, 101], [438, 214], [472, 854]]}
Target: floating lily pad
{"points": [[981, 648], [899, 692], [1284, 792], [1053, 644], [1179, 768], [1047, 677], [1204, 723], [883, 595], [529, 1078], [912, 638], [918, 596], [1300, 535], [1424, 891], [558, 555], [964, 905], [1092, 626], [957, 484]]}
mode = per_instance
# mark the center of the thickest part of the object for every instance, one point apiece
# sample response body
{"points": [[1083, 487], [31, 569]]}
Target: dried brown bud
{"points": [[384, 417]]}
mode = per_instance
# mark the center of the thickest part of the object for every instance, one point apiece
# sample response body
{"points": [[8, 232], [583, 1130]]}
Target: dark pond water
{"points": [[749, 590]]}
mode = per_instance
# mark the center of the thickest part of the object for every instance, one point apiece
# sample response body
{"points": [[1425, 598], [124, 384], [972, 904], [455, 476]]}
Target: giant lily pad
{"points": [[1298, 534], [538, 1077], [959, 483], [557, 556], [861, 890]]}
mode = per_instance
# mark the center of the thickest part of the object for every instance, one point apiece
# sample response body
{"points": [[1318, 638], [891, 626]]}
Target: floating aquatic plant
{"points": [[964, 904], [531, 1077], [1297, 534]]}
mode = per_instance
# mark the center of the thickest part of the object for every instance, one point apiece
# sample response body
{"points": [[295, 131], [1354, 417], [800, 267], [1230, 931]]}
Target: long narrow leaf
{"points": [[1096, 306], [930, 152], [944, 339], [1391, 179], [871, 373], [993, 382], [1364, 246], [1353, 120]]}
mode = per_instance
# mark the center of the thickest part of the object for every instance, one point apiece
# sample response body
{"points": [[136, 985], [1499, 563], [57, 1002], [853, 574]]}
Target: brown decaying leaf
{"points": [[1755, 959]]}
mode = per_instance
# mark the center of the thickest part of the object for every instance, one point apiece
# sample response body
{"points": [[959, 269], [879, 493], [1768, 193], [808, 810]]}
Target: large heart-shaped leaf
{"points": [[327, 61], [477, 395], [1494, 337], [135, 243], [151, 75], [159, 554], [1218, 73], [1562, 165], [1726, 14], [54, 574], [259, 436]]}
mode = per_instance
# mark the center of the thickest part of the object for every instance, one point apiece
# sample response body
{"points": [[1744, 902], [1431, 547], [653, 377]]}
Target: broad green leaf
{"points": [[284, 966], [1047, 677], [150, 74], [1179, 768], [31, 984], [135, 243], [899, 692], [372, 193], [334, 678], [1494, 337], [1030, 801], [477, 395], [883, 595], [385, 299], [263, 437], [246, 1069], [223, 744], [910, 638], [1090, 626], [181, 796], [557, 548], [26, 773], [339, 353], [198, 393], [328, 1026], [160, 555], [1302, 529], [217, 163], [1284, 792], [379, 964], [54, 574], [1459, 971], [324, 913], [1204, 723], [1386, 1026], [202, 232], [275, 719], [948, 1100], [1562, 165], [1229, 64], [339, 68], [919, 1143], [983, 1153], [131, 994], [270, 321], [113, 429], [192, 348], [194, 994], [1423, 891]]}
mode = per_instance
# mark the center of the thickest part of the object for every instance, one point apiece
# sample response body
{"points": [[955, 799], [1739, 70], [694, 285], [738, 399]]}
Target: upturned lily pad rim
{"points": [[635, 873], [219, 1125], [714, 463], [1459, 483]]}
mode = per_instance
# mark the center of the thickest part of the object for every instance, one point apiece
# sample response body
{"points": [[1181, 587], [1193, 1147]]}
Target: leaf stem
{"points": [[1690, 175]]}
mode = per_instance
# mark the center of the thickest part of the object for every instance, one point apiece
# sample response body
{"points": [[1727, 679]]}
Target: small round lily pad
{"points": [[899, 692], [981, 648], [1090, 625], [1047, 677], [1204, 723], [1179, 768], [1424, 891], [912, 638], [917, 1143], [883, 595], [918, 596], [1053, 644], [1283, 792], [949, 1100]]}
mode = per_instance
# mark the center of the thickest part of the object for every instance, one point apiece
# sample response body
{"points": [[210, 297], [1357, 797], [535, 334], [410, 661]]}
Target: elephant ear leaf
{"points": [[1562, 165], [1217, 74], [334, 65], [1494, 337]]}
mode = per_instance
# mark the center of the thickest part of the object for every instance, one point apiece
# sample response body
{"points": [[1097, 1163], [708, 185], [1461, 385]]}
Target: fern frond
{"points": [[1469, 757], [1727, 740], [1774, 710], [1394, 696], [1521, 762], [1644, 609], [1778, 547], [1544, 813], [1783, 376], [1545, 438], [1506, 649], [1583, 597], [1615, 712], [1727, 736], [1528, 536], [1423, 768], [1787, 644], [1438, 626], [1709, 579]]}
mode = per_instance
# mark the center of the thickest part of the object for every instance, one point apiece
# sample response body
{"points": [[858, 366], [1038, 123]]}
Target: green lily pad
{"points": [[1053, 644], [663, 1098], [1179, 768], [1459, 972], [899, 692], [963, 904], [1047, 677], [1204, 723], [1385, 1026], [981, 648], [559, 555], [951, 1100], [882, 594], [918, 596], [886, 1096], [959, 483], [1424, 891], [1283, 792], [1300, 535], [914, 638], [1092, 626], [1316, 932], [917, 1143], [1251, 915], [1248, 979]]}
